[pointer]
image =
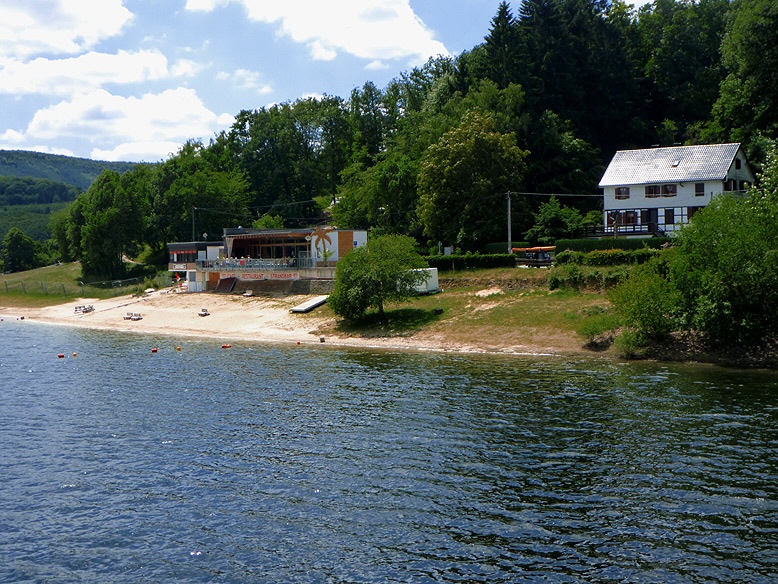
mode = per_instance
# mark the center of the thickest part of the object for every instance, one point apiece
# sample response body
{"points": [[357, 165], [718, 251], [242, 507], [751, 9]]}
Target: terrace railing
{"points": [[253, 264]]}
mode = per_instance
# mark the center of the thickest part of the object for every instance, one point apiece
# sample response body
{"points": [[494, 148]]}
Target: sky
{"points": [[133, 80]]}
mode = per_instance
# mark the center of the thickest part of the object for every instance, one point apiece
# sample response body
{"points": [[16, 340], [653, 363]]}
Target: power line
{"points": [[555, 194], [256, 208]]}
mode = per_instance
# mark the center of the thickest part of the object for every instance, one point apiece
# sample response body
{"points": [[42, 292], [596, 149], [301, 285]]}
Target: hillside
{"points": [[79, 172]]}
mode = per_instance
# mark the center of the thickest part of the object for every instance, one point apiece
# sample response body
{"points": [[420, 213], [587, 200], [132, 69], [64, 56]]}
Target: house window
{"points": [[737, 163], [692, 210], [669, 190], [699, 189], [622, 193], [669, 216], [652, 191], [183, 256]]}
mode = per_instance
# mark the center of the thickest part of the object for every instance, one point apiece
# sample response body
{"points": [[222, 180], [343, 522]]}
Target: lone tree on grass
{"points": [[18, 251], [379, 272]]}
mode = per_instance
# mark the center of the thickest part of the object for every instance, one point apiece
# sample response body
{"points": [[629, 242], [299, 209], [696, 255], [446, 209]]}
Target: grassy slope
{"points": [[53, 285], [490, 309]]}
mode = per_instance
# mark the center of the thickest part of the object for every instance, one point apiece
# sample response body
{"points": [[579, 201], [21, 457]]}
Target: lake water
{"points": [[263, 463]]}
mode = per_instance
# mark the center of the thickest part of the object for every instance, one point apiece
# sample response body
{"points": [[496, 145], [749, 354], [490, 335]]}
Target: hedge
{"points": [[585, 245], [606, 257], [501, 248], [471, 261]]}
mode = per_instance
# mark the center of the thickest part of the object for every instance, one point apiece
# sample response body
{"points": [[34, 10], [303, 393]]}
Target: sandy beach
{"points": [[230, 318], [235, 318]]}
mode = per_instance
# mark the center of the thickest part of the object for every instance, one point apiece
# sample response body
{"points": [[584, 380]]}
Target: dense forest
{"points": [[537, 109], [33, 185]]}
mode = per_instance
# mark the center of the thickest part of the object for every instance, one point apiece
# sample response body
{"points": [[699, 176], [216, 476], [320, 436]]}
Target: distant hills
{"points": [[34, 185], [79, 172]]}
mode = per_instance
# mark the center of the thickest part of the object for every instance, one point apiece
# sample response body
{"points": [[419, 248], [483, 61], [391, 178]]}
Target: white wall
{"points": [[685, 197]]}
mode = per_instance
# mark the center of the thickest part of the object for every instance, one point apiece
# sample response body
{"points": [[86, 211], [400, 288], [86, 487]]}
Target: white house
{"points": [[656, 190]]}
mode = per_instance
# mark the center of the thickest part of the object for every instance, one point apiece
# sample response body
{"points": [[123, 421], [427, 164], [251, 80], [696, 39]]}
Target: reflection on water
{"points": [[266, 463]]}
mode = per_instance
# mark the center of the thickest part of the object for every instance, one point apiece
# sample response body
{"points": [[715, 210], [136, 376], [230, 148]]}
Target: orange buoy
{"points": [[154, 350], [61, 356], [75, 354], [178, 348], [226, 346]]}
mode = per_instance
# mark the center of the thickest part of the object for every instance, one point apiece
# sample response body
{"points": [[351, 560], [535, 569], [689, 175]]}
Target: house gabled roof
{"points": [[672, 164]]}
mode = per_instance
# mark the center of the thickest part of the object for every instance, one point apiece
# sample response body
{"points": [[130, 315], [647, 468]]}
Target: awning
{"points": [[258, 236]]}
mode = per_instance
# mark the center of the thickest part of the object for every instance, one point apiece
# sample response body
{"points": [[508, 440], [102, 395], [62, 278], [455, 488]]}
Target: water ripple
{"points": [[320, 465]]}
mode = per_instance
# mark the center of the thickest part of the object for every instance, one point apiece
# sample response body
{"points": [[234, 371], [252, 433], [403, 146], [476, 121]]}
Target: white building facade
{"points": [[655, 191]]}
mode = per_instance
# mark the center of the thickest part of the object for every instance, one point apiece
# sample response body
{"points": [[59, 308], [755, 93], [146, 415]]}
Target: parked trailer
{"points": [[430, 283], [535, 257]]}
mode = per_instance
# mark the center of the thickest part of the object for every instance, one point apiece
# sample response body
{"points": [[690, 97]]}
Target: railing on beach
{"points": [[253, 264]]}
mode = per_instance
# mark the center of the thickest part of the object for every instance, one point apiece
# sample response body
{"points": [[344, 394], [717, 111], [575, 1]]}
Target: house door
{"points": [[650, 219]]}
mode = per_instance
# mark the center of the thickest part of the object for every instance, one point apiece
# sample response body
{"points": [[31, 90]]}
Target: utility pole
{"points": [[193, 223], [510, 237]]}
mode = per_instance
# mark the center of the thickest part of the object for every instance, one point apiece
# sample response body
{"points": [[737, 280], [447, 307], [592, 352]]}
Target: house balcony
{"points": [[636, 230]]}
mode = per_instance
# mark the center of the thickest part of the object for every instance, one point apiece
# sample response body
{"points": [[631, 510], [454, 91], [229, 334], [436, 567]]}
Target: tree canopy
{"points": [[18, 251], [374, 274], [464, 181], [537, 109]]}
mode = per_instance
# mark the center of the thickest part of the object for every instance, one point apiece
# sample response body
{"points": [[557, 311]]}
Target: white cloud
{"points": [[246, 79], [382, 29], [377, 66], [147, 151], [37, 27], [11, 137], [175, 115], [186, 68], [82, 73]]}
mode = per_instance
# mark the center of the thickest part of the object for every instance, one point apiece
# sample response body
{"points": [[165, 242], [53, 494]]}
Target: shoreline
{"points": [[255, 319], [268, 320]]}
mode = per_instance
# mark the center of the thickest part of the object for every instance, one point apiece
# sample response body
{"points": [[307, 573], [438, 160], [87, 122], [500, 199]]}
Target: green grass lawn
{"points": [[57, 284], [497, 307]]}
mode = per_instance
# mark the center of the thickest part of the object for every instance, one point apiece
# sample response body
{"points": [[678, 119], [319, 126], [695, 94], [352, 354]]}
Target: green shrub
{"points": [[607, 257], [647, 301], [471, 261], [566, 276], [597, 324], [586, 245], [577, 276], [569, 257], [630, 345]]}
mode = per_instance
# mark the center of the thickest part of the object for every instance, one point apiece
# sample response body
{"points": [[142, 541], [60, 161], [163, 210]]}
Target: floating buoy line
{"points": [[178, 349]]}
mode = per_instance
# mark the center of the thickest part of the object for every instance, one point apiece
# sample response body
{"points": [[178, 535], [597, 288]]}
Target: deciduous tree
{"points": [[463, 183], [374, 274], [18, 251]]}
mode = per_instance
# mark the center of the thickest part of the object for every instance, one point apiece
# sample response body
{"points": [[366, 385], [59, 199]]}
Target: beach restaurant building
{"points": [[256, 255]]}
